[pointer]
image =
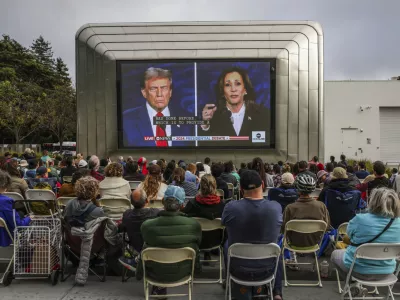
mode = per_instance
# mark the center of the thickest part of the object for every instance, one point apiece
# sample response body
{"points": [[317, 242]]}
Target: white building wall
{"points": [[343, 100]]}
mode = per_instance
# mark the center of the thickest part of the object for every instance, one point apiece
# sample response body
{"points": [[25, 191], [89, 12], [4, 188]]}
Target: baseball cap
{"points": [[41, 171], [175, 192], [287, 178], [250, 180], [338, 173], [82, 163]]}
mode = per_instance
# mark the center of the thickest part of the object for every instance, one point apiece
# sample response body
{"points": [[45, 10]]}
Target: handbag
{"points": [[376, 237]]}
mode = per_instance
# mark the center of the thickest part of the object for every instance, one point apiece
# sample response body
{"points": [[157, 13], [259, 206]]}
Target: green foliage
{"points": [[36, 95]]}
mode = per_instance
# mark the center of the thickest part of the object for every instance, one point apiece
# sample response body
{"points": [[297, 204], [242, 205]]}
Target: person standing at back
{"points": [[380, 179], [362, 173], [207, 167], [257, 221]]}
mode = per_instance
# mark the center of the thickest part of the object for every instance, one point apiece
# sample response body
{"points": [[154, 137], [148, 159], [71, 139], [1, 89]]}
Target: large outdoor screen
{"points": [[204, 103]]}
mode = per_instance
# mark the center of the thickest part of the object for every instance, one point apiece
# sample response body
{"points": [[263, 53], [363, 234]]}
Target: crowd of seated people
{"points": [[173, 193]]}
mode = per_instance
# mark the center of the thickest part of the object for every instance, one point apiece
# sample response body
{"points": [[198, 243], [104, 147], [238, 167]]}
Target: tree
{"points": [[62, 71], [43, 51], [61, 112], [20, 108]]}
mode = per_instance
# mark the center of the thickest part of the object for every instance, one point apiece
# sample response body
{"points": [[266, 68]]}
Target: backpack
{"points": [[283, 196], [342, 207], [79, 221]]}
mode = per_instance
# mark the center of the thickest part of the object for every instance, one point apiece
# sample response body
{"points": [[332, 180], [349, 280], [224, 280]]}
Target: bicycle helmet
{"points": [[305, 183]]}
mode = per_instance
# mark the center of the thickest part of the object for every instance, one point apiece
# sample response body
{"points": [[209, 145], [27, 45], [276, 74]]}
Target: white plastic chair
{"points": [[134, 184], [67, 179], [114, 208], [7, 276], [377, 252], [207, 226], [303, 227], [252, 251], [168, 256]]}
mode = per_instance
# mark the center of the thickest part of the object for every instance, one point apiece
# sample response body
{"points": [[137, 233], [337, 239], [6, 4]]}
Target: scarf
{"points": [[208, 200]]}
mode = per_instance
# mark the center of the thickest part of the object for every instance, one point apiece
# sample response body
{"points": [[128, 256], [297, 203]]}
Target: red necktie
{"points": [[160, 132]]}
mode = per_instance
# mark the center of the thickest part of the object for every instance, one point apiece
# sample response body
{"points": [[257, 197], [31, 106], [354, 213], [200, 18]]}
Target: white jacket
{"points": [[115, 187]]}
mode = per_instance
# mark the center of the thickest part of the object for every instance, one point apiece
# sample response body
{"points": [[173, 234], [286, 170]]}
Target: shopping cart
{"points": [[37, 248]]}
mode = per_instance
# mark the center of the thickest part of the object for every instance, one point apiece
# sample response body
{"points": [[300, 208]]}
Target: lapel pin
{"points": [[249, 118]]}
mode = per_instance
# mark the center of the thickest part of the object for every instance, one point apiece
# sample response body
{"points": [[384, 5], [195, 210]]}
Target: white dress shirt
{"points": [[152, 113], [237, 119]]}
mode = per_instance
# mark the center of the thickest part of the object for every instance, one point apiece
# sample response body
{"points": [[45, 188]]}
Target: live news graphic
{"points": [[200, 104]]}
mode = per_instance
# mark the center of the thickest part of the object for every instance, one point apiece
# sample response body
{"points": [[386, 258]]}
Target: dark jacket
{"points": [[353, 179], [362, 174], [342, 206], [229, 178], [170, 230], [200, 210], [76, 208], [284, 195], [221, 185], [67, 171], [378, 182], [135, 177], [256, 118], [132, 220]]}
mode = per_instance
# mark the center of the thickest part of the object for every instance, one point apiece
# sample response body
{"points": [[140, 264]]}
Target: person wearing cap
{"points": [[305, 208], [23, 164], [153, 186], [354, 181], [42, 180], [82, 164], [171, 229], [286, 193], [31, 172], [253, 219]]}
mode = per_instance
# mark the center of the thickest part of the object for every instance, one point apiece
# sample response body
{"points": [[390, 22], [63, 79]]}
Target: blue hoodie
{"points": [[6, 213]]}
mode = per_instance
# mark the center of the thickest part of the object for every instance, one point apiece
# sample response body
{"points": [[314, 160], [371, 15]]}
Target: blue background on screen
{"points": [[208, 73], [183, 91]]}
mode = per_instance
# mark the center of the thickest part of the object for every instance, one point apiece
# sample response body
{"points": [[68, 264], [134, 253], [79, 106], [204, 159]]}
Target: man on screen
{"points": [[156, 88]]}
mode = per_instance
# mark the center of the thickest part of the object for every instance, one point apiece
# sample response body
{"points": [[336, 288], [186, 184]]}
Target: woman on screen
{"points": [[236, 113]]}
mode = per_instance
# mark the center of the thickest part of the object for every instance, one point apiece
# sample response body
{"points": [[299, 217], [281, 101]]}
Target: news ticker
{"points": [[179, 121], [196, 138]]}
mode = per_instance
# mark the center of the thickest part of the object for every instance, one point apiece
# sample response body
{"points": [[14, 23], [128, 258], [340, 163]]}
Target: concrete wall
{"points": [[347, 126]]}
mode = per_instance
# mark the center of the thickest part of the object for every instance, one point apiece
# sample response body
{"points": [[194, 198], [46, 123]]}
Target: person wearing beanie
{"points": [[171, 229]]}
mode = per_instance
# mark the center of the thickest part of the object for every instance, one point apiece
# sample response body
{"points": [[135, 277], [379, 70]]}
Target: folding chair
{"points": [[134, 184], [41, 210], [67, 179], [231, 189], [62, 201], [376, 252], [8, 275], [304, 227], [316, 193], [220, 193], [215, 226], [16, 197], [252, 251], [114, 208], [168, 256]]}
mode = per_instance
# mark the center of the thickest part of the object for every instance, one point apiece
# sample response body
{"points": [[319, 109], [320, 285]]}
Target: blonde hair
{"points": [[384, 202], [208, 185], [87, 188], [114, 170], [151, 185]]}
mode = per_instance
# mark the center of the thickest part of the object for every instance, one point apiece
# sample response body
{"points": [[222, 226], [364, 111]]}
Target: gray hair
{"points": [[5, 180], [171, 204], [155, 73], [384, 202], [94, 163], [141, 202]]}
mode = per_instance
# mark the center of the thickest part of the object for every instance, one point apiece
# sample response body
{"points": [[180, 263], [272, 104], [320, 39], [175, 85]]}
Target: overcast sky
{"points": [[362, 38]]}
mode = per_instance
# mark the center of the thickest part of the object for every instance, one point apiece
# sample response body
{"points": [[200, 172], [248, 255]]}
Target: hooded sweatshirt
{"points": [[208, 207], [76, 208], [115, 187]]}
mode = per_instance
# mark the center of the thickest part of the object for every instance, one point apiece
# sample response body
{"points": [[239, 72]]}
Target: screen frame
{"points": [[271, 61]]}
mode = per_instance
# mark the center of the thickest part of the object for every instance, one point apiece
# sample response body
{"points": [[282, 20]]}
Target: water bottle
{"points": [[324, 269]]}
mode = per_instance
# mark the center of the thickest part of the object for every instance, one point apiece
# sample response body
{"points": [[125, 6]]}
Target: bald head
{"points": [[139, 198]]}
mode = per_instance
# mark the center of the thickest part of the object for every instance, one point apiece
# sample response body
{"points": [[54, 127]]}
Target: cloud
{"points": [[360, 36]]}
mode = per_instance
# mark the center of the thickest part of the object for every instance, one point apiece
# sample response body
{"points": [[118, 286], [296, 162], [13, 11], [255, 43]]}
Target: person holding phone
{"points": [[236, 113]]}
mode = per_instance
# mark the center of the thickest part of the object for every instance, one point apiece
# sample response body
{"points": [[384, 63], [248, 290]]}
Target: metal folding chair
{"points": [[376, 252], [168, 256], [304, 227], [208, 226], [51, 207], [250, 252], [62, 201], [231, 189], [114, 208], [134, 184], [8, 275]]}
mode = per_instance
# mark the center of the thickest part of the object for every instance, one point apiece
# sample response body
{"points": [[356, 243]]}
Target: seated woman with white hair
{"points": [[381, 224], [113, 185]]}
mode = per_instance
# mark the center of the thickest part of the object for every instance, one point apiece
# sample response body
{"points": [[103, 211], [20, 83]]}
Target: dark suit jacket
{"points": [[256, 118], [137, 125]]}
